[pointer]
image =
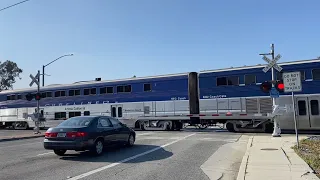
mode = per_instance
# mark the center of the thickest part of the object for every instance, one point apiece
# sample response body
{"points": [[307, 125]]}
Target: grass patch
{"points": [[309, 151]]}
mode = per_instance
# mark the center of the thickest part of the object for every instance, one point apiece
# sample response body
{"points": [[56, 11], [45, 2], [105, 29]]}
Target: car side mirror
{"points": [[124, 125]]}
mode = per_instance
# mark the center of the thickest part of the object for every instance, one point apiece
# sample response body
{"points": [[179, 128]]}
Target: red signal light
{"points": [[266, 87], [279, 86], [38, 96]]}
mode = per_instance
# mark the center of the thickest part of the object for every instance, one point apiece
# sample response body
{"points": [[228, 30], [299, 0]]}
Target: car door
{"points": [[121, 131], [105, 129]]}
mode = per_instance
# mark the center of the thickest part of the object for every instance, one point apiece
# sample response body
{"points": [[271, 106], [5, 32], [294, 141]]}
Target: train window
{"points": [[316, 74], [93, 91], [86, 113], [8, 97], [71, 92], [63, 115], [86, 91], [63, 93], [119, 111], [77, 92], [73, 114], [57, 94], [49, 94], [77, 113], [250, 79], [120, 89], [314, 107], [233, 80], [127, 88], [113, 112], [103, 90], [147, 87], [44, 95], [57, 115], [19, 96], [109, 90], [302, 108], [221, 81], [13, 97], [60, 115]]}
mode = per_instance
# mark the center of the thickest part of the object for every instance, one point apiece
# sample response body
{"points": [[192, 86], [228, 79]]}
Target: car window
{"points": [[76, 122], [102, 122], [115, 122]]}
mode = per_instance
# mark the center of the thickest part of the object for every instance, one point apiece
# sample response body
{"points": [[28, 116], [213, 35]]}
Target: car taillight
{"points": [[49, 134], [76, 134]]}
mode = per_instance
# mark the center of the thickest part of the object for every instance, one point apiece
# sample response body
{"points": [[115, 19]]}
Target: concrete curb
{"points": [[243, 166], [20, 138]]}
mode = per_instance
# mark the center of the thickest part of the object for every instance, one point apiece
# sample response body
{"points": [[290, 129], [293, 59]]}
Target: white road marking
{"points": [[142, 134], [127, 159], [45, 154]]}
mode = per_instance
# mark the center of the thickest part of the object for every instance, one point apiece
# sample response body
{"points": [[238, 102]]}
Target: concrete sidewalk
{"points": [[271, 158], [10, 135]]}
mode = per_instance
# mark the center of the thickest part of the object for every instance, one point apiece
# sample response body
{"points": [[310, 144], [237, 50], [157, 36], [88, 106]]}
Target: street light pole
{"points": [[49, 64], [43, 75]]}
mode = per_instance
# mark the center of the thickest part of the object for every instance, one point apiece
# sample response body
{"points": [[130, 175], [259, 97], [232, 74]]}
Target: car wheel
{"points": [[131, 140], [98, 147], [60, 152]]}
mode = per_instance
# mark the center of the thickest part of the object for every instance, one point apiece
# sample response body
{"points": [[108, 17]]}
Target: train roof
{"points": [[82, 83], [260, 66], [93, 82]]}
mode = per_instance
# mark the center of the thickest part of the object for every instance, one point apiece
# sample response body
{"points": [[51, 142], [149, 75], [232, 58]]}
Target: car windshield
{"points": [[76, 122]]}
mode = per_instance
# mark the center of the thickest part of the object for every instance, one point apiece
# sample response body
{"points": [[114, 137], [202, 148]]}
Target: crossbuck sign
{"points": [[272, 63], [34, 79]]}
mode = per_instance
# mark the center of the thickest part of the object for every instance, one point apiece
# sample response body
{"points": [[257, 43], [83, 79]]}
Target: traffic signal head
{"points": [[38, 96], [29, 96], [266, 86], [279, 86]]}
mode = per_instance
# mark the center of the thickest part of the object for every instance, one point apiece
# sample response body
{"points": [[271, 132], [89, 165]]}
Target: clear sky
{"points": [[120, 38]]}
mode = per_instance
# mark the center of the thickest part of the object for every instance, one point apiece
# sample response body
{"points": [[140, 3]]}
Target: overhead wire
{"points": [[14, 5]]}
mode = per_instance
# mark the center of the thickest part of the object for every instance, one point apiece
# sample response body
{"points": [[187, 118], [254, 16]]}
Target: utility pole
{"points": [[43, 75], [272, 65]]}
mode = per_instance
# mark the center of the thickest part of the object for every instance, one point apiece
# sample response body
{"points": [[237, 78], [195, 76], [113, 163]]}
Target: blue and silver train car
{"points": [[239, 89], [125, 99], [226, 95]]}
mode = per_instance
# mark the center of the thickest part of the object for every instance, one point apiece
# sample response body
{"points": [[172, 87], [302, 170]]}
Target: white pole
{"points": [[276, 129]]}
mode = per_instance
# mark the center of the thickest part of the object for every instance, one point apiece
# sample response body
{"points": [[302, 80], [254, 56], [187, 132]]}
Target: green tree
{"points": [[9, 71]]}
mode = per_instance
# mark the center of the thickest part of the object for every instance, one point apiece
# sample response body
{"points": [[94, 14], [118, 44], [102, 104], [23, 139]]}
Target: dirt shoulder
{"points": [[309, 151]]}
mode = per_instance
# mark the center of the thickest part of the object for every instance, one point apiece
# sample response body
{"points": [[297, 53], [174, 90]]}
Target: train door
{"points": [[116, 111], [314, 111], [308, 112]]}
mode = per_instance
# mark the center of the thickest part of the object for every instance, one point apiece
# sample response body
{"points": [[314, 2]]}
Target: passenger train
{"points": [[231, 96]]}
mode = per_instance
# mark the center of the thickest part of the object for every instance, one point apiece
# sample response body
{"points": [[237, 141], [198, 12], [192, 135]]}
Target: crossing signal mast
{"points": [[273, 86], [36, 96], [267, 86]]}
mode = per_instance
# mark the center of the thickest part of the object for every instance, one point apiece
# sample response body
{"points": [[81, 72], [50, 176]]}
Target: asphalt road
{"points": [[155, 155]]}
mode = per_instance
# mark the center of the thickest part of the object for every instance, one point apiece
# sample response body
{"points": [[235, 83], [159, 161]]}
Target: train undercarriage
{"points": [[232, 125]]}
